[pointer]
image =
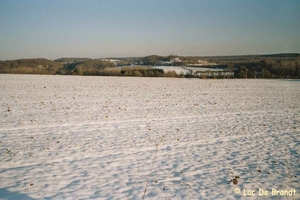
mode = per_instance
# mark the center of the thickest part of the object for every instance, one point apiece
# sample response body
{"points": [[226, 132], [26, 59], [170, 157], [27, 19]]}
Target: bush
{"points": [[137, 73], [171, 74]]}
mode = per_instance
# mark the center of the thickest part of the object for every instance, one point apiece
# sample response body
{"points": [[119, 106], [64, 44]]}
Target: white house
{"points": [[174, 60], [203, 63], [112, 60]]}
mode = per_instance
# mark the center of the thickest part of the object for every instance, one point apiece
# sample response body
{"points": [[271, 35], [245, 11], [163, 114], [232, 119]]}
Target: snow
{"points": [[74, 137], [178, 70]]}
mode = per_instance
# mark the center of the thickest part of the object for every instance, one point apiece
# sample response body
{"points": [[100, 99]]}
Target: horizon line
{"points": [[228, 55]]}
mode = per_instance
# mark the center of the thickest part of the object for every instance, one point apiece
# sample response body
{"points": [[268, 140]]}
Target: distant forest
{"points": [[281, 66]]}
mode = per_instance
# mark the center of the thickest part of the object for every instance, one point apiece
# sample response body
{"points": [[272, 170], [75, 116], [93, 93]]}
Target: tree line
{"points": [[267, 69]]}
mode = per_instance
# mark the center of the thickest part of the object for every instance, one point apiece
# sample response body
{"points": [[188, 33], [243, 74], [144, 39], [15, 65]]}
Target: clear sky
{"points": [[118, 28]]}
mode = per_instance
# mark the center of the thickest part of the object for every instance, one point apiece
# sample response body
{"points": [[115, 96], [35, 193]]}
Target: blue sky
{"points": [[118, 28]]}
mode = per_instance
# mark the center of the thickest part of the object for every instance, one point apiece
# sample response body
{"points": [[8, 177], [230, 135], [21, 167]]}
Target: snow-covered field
{"points": [[72, 137], [178, 70]]}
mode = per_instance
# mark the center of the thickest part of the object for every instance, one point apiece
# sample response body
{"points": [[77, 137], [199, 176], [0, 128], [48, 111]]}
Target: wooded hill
{"points": [[29, 66], [89, 67], [67, 66]]}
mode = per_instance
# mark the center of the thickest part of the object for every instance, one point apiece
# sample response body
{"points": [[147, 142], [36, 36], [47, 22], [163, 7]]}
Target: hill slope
{"points": [[30, 66]]}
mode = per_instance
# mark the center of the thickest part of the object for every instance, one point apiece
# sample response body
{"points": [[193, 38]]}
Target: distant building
{"points": [[112, 60], [203, 63], [175, 60]]}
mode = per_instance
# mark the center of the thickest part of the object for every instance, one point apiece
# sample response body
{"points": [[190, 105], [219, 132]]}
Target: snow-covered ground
{"points": [[73, 137], [178, 70]]}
